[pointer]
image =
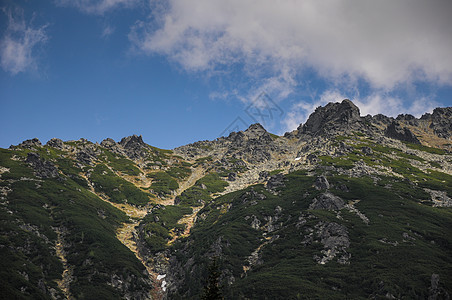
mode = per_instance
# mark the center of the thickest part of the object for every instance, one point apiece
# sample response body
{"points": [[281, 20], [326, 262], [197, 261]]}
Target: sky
{"points": [[177, 71]]}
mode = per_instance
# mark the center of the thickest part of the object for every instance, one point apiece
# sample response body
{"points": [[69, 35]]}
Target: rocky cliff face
{"points": [[441, 121], [333, 118], [396, 131]]}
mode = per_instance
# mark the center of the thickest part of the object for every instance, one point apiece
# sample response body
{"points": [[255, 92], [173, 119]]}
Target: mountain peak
{"points": [[333, 116], [30, 143], [132, 142], [255, 131], [348, 103]]}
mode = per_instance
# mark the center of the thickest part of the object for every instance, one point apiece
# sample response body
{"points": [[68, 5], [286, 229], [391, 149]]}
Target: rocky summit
{"points": [[332, 117], [344, 207]]}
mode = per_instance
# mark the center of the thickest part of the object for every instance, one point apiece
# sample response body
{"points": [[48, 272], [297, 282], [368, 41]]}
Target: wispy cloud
{"points": [[384, 43], [98, 7], [19, 43], [392, 106], [107, 31], [301, 110]]}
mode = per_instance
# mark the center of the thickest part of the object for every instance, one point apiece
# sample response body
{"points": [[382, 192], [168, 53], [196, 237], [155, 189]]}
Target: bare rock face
{"points": [[29, 144], [263, 175], [275, 181], [439, 198], [252, 196], [382, 119], [335, 240], [321, 183], [442, 122], [331, 118], [254, 144], [55, 143], [232, 176], [87, 153], [132, 142], [85, 157], [255, 223], [257, 132], [409, 119], [398, 132], [111, 145], [312, 158], [327, 201], [134, 146], [42, 168], [108, 143]]}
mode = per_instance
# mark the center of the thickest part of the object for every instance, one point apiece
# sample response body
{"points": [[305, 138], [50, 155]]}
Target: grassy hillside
{"points": [[37, 214], [406, 241]]}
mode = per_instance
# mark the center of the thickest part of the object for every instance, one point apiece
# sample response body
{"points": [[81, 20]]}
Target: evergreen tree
{"points": [[212, 289]]}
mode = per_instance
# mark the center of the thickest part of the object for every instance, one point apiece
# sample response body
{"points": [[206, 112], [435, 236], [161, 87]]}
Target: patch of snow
{"points": [[298, 158], [160, 277]]}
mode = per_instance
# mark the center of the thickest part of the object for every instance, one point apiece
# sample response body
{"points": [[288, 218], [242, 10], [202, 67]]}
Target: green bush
{"points": [[118, 189], [156, 227], [201, 191], [163, 184], [28, 236], [121, 164]]}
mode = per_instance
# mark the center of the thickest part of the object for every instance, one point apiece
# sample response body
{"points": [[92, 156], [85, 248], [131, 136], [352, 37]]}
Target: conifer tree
{"points": [[212, 289]]}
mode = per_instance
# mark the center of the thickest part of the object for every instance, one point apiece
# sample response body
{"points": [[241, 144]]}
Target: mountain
{"points": [[342, 207]]}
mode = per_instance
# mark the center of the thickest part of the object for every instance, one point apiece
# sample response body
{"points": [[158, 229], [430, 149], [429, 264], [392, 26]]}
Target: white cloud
{"points": [[421, 106], [300, 111], [378, 103], [98, 7], [107, 31], [19, 43], [386, 43]]}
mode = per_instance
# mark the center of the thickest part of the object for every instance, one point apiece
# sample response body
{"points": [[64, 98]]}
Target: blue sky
{"points": [[181, 71]]}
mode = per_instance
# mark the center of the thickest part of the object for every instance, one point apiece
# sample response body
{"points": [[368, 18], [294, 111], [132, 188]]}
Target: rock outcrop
{"points": [[30, 144], [276, 181], [321, 183], [55, 143], [331, 118], [436, 291], [134, 146], [253, 145], [114, 147], [87, 152], [335, 240], [441, 121], [42, 168], [398, 132], [327, 201]]}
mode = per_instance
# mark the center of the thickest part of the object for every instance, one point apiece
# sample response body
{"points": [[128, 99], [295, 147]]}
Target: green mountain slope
{"points": [[275, 246], [344, 207]]}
